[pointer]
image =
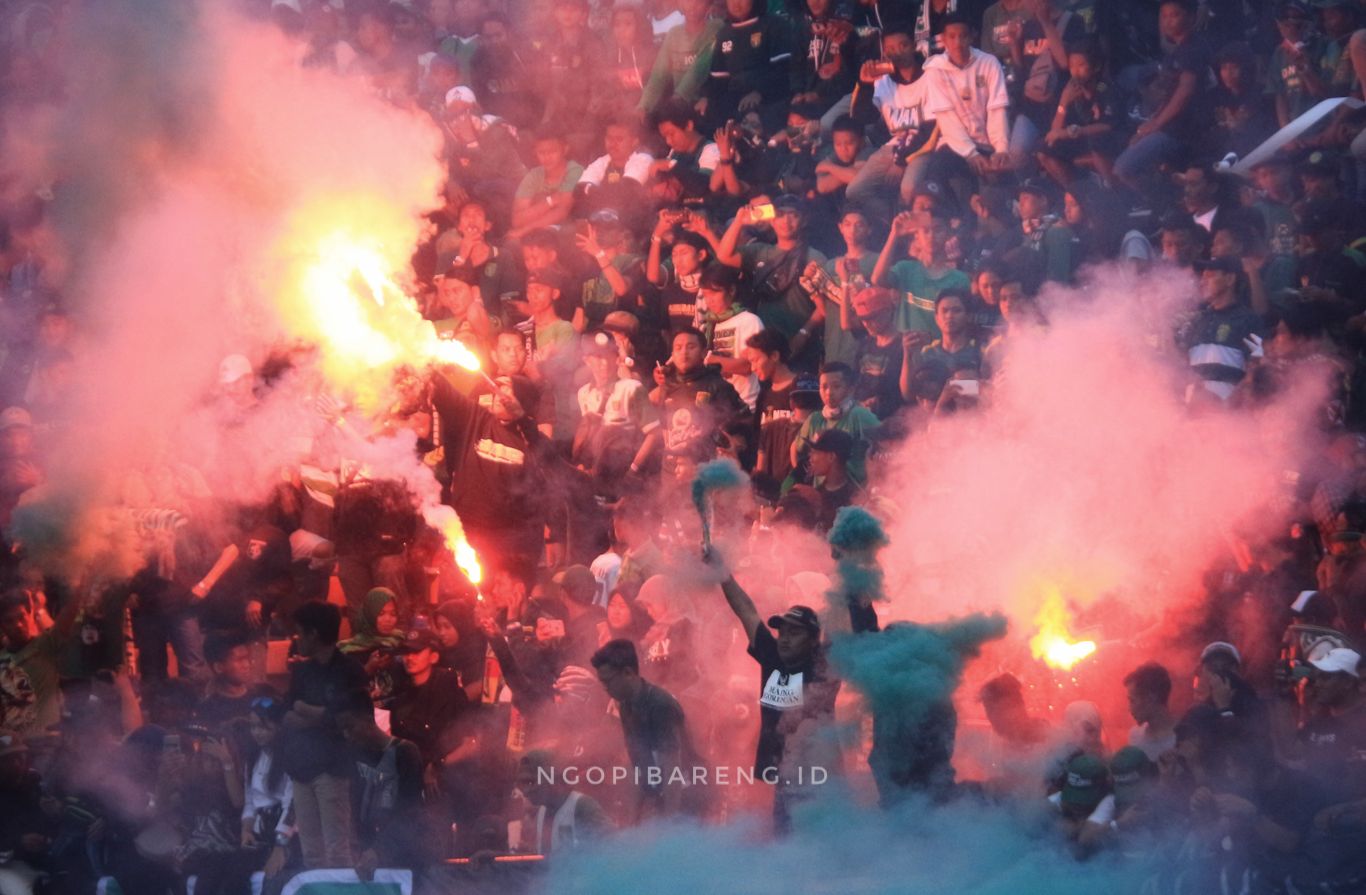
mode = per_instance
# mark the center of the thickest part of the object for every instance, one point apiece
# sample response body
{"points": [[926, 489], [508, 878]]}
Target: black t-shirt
{"points": [[1103, 106], [1291, 801], [1335, 753], [581, 637], [695, 407], [833, 499], [654, 726], [784, 688], [307, 752], [879, 377], [386, 800], [1040, 77], [496, 478], [1193, 56], [429, 715], [466, 658], [777, 429], [1337, 271], [678, 304], [1245, 119]]}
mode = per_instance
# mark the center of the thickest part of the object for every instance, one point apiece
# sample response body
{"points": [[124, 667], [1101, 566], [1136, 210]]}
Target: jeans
{"points": [[1358, 150], [322, 813], [155, 630], [1138, 162], [841, 107], [1024, 139], [874, 184]]}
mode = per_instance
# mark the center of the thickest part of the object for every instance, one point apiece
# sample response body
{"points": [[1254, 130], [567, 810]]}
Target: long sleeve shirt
{"points": [[969, 103], [750, 56], [682, 66], [258, 795]]}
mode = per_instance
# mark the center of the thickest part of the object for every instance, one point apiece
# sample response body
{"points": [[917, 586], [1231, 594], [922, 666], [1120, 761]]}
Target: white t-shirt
{"points": [[902, 105], [728, 340], [708, 158], [1101, 816], [1152, 746], [625, 405], [637, 168], [968, 93]]}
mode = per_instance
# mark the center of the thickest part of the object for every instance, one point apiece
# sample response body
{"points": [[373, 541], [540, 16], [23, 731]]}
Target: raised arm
{"points": [[742, 606]]}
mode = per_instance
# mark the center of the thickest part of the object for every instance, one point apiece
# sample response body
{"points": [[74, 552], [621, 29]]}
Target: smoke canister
{"points": [[493, 677]]}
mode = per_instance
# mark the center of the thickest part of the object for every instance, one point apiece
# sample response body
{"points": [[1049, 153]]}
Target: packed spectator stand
{"points": [[676, 232]]}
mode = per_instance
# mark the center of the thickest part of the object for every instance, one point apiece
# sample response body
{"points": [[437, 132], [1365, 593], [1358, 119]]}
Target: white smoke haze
{"points": [[964, 848], [199, 172], [1088, 475]]}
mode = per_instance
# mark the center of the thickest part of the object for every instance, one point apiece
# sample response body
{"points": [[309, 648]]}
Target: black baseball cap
{"points": [[802, 616], [836, 442], [418, 640], [1288, 11], [718, 276], [1223, 265], [548, 277]]}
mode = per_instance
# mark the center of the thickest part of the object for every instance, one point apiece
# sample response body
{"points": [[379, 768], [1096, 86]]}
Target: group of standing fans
{"points": [[791, 235]]}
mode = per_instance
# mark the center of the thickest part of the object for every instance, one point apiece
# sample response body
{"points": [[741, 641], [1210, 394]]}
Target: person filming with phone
{"points": [[773, 270]]}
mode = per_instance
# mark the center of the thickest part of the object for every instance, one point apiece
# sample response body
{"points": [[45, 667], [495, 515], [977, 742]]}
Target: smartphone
{"points": [[970, 387], [765, 212]]}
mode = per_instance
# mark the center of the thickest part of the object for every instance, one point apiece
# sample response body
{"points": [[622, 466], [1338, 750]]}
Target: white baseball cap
{"points": [[1221, 646], [460, 94], [1337, 660]]}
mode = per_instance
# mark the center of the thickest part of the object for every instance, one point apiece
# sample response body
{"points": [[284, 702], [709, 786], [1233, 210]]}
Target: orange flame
{"points": [[443, 519], [342, 295], [1053, 643]]}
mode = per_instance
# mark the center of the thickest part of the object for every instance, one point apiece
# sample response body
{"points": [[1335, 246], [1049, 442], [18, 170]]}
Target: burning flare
{"points": [[1053, 643], [443, 519], [343, 297], [362, 317]]}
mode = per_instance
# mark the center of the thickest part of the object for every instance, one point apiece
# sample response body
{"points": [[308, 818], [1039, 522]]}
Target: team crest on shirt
{"points": [[1222, 333], [756, 38], [702, 398]]}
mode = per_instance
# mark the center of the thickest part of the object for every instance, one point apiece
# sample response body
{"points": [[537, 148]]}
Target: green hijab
{"points": [[367, 638]]}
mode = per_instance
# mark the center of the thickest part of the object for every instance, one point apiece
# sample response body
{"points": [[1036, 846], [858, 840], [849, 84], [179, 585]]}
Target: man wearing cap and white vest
{"points": [[1333, 744], [796, 698], [1334, 737], [1225, 335]]}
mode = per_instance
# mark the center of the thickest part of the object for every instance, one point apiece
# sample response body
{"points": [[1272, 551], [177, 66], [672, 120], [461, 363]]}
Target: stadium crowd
{"points": [[791, 235]]}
